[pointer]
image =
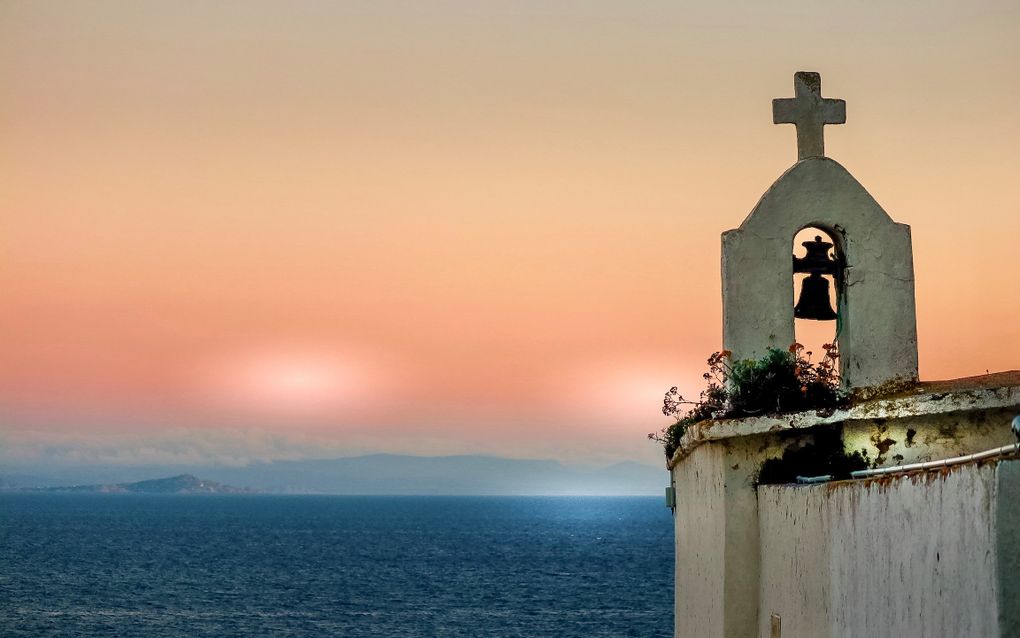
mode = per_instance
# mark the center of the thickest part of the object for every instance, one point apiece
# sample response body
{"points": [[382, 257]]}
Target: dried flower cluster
{"points": [[781, 381]]}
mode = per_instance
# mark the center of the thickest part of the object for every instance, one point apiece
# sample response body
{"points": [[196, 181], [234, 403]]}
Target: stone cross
{"points": [[809, 112]]}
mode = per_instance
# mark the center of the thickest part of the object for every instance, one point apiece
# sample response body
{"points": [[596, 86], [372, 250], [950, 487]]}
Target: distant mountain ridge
{"points": [[181, 484], [380, 474]]}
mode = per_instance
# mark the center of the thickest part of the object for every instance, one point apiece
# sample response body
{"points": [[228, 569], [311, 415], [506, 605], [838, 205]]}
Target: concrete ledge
{"points": [[985, 392]]}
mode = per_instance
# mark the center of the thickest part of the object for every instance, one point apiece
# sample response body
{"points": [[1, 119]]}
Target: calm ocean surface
{"points": [[133, 565]]}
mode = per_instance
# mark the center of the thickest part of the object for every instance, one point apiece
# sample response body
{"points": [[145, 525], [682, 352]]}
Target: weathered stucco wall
{"points": [[716, 536], [851, 558], [918, 439], [716, 545], [908, 555], [699, 516]]}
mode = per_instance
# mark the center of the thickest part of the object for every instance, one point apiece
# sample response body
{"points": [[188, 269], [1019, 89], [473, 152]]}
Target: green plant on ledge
{"points": [[781, 381]]}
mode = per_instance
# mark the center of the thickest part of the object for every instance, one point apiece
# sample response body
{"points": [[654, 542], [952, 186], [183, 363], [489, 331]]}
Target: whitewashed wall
{"points": [[905, 556], [700, 528]]}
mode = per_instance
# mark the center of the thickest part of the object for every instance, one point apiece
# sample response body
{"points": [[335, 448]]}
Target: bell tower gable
{"points": [[876, 325]]}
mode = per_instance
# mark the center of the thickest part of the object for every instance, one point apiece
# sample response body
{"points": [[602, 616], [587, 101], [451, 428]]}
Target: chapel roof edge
{"points": [[827, 176]]}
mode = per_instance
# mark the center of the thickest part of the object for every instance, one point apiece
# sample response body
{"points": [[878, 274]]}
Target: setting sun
{"points": [[283, 383]]}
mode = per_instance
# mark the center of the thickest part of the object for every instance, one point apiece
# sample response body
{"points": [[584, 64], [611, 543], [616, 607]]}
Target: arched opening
{"points": [[817, 281]]}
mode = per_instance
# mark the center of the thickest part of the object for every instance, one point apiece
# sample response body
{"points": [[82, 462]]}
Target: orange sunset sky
{"points": [[254, 230]]}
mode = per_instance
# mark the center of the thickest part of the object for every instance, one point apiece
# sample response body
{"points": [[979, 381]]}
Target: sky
{"points": [[254, 230]]}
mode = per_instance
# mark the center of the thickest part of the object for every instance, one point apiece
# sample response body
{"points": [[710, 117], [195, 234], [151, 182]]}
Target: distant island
{"points": [[181, 484], [374, 474]]}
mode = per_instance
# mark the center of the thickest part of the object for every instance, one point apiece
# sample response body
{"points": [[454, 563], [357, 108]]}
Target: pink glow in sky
{"points": [[291, 381], [262, 229]]}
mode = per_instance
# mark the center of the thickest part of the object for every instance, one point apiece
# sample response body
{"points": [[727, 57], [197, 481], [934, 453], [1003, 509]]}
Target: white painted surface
{"points": [[859, 558], [699, 532], [913, 555], [716, 525], [878, 338]]}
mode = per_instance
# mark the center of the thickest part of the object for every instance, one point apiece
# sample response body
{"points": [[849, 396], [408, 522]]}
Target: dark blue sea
{"points": [[223, 566]]}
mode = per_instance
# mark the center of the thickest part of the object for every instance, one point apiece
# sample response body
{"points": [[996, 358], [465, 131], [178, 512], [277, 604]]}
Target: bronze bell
{"points": [[815, 302]]}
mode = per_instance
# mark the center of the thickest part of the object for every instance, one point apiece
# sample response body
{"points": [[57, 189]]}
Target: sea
{"points": [[123, 565]]}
